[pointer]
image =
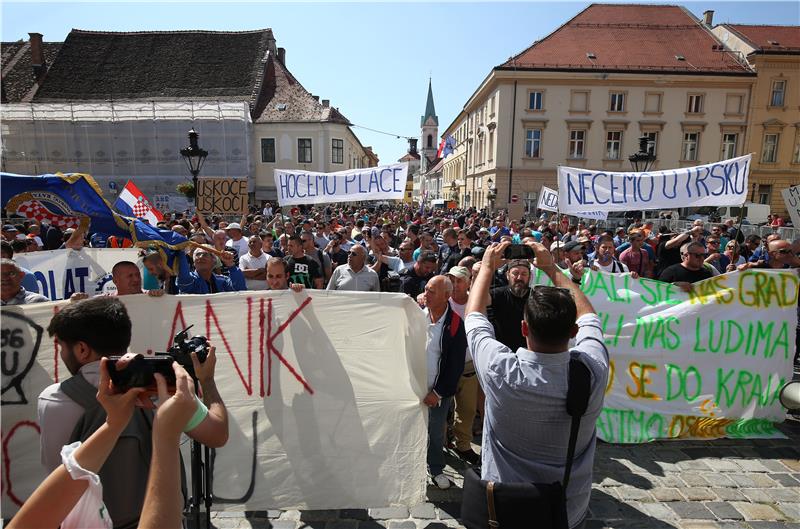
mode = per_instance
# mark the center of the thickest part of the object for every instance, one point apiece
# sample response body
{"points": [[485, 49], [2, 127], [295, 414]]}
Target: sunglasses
{"points": [[691, 254]]}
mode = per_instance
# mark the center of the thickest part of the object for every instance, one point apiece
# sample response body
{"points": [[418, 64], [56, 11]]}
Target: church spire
{"points": [[430, 111]]}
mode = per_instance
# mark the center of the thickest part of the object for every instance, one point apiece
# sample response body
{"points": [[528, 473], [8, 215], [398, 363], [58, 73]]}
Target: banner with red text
{"points": [[324, 414]]}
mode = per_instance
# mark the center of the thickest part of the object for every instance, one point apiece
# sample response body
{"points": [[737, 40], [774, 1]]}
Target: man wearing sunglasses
{"points": [[526, 425], [690, 270]]}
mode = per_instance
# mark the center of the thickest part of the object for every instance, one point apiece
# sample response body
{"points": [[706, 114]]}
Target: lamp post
{"points": [[195, 157], [642, 160], [492, 194]]}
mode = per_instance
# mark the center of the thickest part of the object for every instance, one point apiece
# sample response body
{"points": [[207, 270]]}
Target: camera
{"points": [[139, 371]]}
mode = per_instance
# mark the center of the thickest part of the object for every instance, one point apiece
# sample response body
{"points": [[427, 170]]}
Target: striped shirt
{"points": [[526, 425]]}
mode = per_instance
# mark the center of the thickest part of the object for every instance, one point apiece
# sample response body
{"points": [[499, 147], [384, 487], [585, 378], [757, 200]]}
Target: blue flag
{"points": [[74, 200]]}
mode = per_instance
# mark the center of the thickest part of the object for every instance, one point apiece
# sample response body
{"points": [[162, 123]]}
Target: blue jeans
{"points": [[437, 418]]}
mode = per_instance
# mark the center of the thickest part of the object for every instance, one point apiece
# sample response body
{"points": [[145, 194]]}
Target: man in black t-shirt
{"points": [[302, 269], [508, 305], [691, 268], [413, 280]]}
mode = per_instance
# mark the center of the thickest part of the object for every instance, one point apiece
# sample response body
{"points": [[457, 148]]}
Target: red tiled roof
{"points": [[769, 38], [408, 157], [629, 38], [285, 99]]}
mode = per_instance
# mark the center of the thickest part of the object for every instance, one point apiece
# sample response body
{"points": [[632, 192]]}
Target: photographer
{"points": [[85, 332], [52, 503]]}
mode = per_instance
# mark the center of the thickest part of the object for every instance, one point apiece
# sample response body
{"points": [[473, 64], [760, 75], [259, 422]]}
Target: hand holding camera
{"points": [[119, 406]]}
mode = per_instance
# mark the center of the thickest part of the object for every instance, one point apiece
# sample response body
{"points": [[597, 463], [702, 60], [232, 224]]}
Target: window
{"points": [[533, 143], [652, 103], [535, 101], [613, 144], [617, 103], [577, 143], [778, 90], [491, 146], [268, 150], [770, 152], [764, 193], [733, 103], [695, 104], [796, 154], [429, 141], [337, 151], [652, 142], [491, 106], [304, 150], [579, 101], [729, 142], [691, 141]]}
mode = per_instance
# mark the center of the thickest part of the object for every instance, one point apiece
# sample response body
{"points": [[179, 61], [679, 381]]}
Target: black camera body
{"points": [[139, 371]]}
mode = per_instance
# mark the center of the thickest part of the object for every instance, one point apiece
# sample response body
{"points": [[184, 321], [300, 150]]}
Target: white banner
{"points": [[387, 182], [703, 365], [548, 201], [791, 196], [717, 184], [323, 415], [61, 273]]}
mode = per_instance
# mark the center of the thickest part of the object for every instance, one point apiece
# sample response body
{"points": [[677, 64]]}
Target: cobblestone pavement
{"points": [[730, 484]]}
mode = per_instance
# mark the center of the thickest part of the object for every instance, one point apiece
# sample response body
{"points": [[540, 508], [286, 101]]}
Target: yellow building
{"points": [[773, 124], [584, 95]]}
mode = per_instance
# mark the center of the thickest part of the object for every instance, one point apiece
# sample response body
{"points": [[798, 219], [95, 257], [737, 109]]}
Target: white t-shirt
{"points": [[250, 262], [240, 245], [612, 267]]}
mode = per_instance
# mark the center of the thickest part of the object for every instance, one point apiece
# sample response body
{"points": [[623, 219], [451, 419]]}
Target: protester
{"points": [[322, 259], [690, 270], [278, 276], [302, 269], [446, 346], [29, 279], [355, 275], [253, 264], [605, 260], [526, 427], [412, 280], [86, 332], [507, 304], [11, 290], [128, 279], [637, 258], [202, 280], [155, 266]]}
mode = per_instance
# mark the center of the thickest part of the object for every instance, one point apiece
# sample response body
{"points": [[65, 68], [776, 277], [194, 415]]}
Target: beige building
{"points": [[773, 125], [583, 96]]}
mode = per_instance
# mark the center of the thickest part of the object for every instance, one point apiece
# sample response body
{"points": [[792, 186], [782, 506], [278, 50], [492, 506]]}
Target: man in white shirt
{"points": [[605, 259], [355, 275], [236, 240], [253, 264], [466, 396]]}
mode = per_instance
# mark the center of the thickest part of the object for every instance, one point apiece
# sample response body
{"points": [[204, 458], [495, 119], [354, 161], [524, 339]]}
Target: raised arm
{"points": [[544, 262]]}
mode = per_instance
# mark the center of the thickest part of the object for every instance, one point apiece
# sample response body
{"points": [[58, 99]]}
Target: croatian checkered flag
{"points": [[133, 203]]}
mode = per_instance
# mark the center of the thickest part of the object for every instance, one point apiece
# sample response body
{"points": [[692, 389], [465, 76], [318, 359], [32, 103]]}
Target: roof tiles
{"points": [[640, 38], [769, 38]]}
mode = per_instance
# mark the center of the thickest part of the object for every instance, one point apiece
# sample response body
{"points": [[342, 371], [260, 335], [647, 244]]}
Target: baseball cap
{"points": [[233, 226], [557, 245], [478, 251], [9, 227], [572, 245], [460, 272]]}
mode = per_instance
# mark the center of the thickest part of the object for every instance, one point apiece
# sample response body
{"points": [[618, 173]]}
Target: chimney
{"points": [[708, 18], [316, 98], [326, 103], [412, 145], [282, 56], [37, 56]]}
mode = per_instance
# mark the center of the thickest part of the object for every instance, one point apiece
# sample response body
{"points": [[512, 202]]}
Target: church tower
{"points": [[430, 128]]}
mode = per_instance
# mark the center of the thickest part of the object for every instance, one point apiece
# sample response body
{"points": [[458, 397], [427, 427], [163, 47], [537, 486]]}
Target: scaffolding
{"points": [[117, 141]]}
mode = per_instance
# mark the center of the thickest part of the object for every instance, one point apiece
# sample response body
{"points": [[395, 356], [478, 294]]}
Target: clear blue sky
{"points": [[372, 60]]}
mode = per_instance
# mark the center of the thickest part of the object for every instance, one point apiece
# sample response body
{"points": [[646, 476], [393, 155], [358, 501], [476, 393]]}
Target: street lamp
{"points": [[642, 160], [492, 194], [194, 157]]}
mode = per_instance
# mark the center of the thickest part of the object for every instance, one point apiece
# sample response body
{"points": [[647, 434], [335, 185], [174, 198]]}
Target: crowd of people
{"points": [[481, 307]]}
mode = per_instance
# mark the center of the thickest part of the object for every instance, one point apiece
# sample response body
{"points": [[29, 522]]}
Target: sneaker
{"points": [[441, 481], [469, 456]]}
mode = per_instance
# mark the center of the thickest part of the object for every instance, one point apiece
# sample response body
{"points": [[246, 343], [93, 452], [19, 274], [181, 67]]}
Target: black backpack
{"points": [[124, 474]]}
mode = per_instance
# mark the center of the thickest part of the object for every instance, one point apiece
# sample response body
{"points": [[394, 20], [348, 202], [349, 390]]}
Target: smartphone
{"points": [[519, 251], [139, 372]]}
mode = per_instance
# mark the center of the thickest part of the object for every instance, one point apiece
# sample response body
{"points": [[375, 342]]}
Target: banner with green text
{"points": [[698, 365]]}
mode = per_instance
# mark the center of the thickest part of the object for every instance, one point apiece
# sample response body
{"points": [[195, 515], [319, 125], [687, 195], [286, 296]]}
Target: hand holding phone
{"points": [[518, 251]]}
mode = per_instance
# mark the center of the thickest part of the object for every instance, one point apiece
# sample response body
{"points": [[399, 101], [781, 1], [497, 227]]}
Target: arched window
{"points": [[430, 141]]}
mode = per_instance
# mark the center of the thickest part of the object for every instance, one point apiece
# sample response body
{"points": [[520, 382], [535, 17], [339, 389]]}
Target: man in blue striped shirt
{"points": [[526, 426]]}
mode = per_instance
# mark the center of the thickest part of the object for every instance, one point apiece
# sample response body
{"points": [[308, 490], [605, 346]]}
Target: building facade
{"points": [[586, 93], [773, 125]]}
